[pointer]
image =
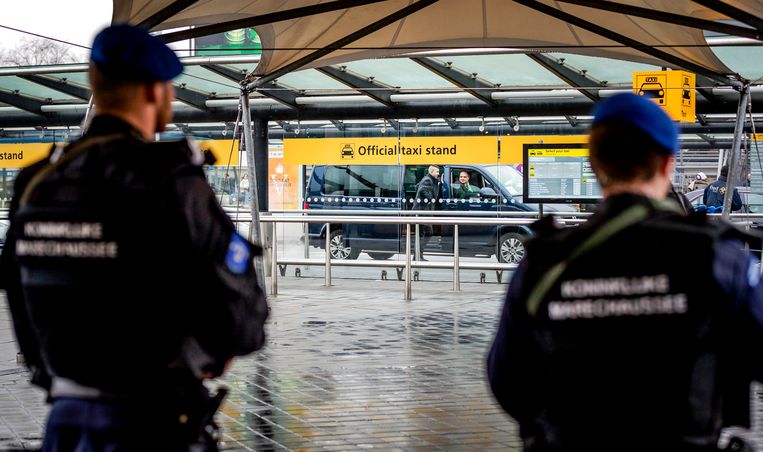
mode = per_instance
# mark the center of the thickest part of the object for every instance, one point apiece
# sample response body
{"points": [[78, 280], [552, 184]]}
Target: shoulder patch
{"points": [[238, 255]]}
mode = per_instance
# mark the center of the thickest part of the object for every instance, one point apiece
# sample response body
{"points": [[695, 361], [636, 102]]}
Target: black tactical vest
{"points": [[633, 332], [100, 270]]}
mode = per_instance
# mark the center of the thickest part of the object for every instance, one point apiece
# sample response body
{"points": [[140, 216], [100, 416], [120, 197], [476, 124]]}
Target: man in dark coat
{"points": [[428, 190], [127, 283], [606, 342]]}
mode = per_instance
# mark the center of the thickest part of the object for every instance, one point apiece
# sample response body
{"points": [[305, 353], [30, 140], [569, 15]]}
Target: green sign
{"points": [[244, 41]]}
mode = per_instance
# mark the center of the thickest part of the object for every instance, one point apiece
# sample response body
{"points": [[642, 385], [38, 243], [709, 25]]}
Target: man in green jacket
{"points": [[465, 190]]}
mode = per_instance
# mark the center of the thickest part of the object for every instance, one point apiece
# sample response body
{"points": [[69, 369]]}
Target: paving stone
{"points": [[351, 367]]}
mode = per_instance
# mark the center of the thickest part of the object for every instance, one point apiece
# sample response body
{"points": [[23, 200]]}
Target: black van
{"points": [[393, 187]]}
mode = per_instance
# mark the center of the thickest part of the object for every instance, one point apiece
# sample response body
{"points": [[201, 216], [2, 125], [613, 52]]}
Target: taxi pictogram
{"points": [[347, 152]]}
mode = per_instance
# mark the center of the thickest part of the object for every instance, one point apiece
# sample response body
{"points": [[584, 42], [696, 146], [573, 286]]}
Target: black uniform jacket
{"points": [[628, 349], [120, 263]]}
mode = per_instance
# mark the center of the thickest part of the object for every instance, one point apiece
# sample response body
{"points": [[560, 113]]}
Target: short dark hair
{"points": [[111, 92], [622, 153], [725, 170]]}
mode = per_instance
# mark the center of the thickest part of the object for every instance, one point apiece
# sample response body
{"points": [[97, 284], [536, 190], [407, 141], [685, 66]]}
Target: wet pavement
{"points": [[348, 367]]}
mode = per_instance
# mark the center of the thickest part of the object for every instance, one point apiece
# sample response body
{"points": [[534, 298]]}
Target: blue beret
{"points": [[127, 52], [642, 114]]}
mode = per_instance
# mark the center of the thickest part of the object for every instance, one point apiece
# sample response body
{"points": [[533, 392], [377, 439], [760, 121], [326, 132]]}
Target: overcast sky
{"points": [[74, 21]]}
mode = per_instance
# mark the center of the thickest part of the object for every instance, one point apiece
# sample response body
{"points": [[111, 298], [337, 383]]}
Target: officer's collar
{"points": [[109, 125], [617, 203]]}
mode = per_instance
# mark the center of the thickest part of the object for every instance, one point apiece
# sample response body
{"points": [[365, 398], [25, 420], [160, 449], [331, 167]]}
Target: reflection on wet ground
{"points": [[349, 367], [355, 367]]}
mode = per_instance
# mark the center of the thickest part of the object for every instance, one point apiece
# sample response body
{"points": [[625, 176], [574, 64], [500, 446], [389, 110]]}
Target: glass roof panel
{"points": [[200, 79], [508, 70], [605, 69], [31, 89], [745, 60], [310, 80], [79, 78], [400, 72]]}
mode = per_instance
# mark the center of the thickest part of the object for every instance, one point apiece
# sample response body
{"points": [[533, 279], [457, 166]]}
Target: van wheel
{"points": [[510, 248], [339, 247], [380, 256]]}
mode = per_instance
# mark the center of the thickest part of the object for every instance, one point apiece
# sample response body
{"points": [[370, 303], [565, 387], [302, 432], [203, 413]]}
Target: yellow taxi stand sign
{"points": [[20, 155], [415, 150], [674, 91]]}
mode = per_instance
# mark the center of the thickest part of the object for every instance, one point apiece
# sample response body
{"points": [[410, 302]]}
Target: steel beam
{"points": [[285, 126], [59, 84], [710, 140], [338, 124], [264, 19], [575, 78], [380, 92], [626, 41], [468, 107], [166, 13], [234, 75], [467, 81], [341, 43], [511, 121], [28, 104], [733, 12], [195, 99], [670, 18], [280, 93], [705, 88]]}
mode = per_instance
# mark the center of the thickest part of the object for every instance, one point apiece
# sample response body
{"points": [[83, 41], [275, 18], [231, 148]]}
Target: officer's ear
{"points": [[667, 166], [153, 92]]}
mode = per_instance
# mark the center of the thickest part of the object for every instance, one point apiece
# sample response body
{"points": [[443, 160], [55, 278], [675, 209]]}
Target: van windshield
{"points": [[507, 176]]}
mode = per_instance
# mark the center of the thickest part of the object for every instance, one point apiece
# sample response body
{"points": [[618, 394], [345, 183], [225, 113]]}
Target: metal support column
{"points": [[274, 261], [248, 135], [260, 129], [744, 97]]}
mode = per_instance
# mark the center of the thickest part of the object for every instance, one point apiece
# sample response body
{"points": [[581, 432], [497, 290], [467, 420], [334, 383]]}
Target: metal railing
{"points": [[408, 218], [374, 217]]}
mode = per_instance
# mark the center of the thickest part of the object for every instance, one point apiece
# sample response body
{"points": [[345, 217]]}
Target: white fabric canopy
{"points": [[450, 23]]}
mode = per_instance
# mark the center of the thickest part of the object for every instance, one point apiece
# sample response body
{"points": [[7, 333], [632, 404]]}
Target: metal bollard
{"points": [[417, 242], [407, 290], [456, 256], [327, 281]]}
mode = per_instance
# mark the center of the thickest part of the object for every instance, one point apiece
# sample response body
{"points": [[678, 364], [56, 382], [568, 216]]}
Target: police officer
{"points": [[127, 283], [716, 192], [606, 342]]}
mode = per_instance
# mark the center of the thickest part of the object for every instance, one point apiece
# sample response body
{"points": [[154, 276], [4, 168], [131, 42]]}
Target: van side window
{"points": [[411, 178], [475, 178], [333, 180], [372, 180]]}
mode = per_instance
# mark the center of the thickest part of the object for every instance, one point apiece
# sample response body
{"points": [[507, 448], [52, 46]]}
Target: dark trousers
{"points": [[88, 425]]}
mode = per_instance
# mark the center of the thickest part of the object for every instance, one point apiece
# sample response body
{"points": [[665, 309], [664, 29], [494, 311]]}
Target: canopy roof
{"points": [[659, 32], [456, 91]]}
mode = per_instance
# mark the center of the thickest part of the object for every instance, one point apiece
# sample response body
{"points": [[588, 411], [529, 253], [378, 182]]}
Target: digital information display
{"points": [[558, 173]]}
